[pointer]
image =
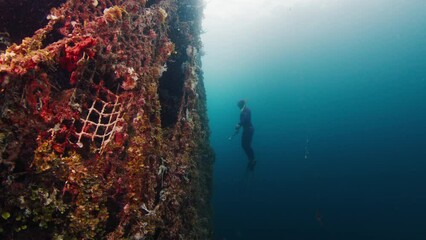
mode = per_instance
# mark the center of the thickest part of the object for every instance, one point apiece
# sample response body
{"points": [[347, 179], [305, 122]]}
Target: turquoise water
{"points": [[337, 91]]}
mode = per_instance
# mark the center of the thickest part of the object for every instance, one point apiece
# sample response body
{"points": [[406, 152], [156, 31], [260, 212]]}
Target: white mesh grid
{"points": [[101, 121]]}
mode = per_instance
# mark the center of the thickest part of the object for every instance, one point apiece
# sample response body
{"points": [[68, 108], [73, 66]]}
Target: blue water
{"points": [[337, 91]]}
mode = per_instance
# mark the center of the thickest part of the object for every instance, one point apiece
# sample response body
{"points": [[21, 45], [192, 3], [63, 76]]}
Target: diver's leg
{"points": [[245, 143], [247, 137], [250, 152], [249, 147]]}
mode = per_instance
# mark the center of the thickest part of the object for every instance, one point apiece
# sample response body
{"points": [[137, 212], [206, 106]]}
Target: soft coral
{"points": [[73, 54]]}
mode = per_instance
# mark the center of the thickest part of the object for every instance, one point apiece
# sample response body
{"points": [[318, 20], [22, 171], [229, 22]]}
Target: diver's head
{"points": [[241, 104]]}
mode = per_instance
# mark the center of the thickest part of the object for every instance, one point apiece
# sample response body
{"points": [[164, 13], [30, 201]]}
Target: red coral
{"points": [[73, 54], [37, 93]]}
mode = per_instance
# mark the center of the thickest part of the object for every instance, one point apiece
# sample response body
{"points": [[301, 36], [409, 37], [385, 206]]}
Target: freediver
{"points": [[247, 135]]}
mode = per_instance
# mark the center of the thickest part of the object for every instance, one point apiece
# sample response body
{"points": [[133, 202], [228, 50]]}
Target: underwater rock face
{"points": [[103, 127]]}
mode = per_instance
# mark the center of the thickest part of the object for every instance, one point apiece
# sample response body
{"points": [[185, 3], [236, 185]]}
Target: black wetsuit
{"points": [[248, 130]]}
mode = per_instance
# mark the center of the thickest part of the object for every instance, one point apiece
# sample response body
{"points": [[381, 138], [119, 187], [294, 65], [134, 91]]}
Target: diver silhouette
{"points": [[247, 135]]}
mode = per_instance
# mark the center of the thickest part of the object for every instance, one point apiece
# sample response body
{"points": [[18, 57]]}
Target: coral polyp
{"points": [[103, 134]]}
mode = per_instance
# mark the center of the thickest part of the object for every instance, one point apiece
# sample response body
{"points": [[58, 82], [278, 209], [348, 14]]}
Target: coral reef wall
{"points": [[103, 125]]}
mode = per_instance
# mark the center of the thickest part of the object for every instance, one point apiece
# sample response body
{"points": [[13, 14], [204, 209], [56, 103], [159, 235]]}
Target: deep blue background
{"points": [[340, 134]]}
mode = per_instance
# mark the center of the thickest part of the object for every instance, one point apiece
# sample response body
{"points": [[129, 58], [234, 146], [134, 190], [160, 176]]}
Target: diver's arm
{"points": [[237, 130]]}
